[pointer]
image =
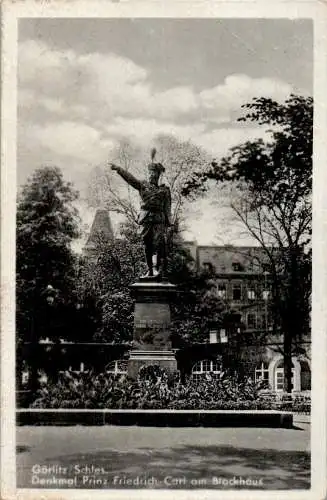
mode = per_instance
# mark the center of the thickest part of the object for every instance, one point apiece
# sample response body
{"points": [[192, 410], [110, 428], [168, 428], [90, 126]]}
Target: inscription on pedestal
{"points": [[151, 338], [151, 312], [151, 325]]}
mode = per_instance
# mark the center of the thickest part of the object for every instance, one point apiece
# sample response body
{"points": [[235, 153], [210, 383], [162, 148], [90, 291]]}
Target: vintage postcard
{"points": [[163, 249]]}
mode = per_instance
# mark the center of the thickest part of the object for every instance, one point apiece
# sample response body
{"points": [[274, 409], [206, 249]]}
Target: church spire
{"points": [[101, 232]]}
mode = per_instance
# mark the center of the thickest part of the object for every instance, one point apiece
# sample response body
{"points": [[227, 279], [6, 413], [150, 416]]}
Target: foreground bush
{"points": [[154, 390]]}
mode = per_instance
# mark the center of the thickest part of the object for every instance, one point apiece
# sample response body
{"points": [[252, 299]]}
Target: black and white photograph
{"points": [[163, 213]]}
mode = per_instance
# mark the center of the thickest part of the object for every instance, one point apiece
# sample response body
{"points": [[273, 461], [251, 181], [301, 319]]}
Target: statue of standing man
{"points": [[155, 215]]}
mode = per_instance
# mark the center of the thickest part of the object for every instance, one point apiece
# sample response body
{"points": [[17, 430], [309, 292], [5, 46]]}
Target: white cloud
{"points": [[119, 96], [111, 69], [177, 100], [107, 84], [44, 69], [144, 130], [71, 139], [103, 87], [238, 89], [219, 141], [79, 106], [91, 145], [53, 105]]}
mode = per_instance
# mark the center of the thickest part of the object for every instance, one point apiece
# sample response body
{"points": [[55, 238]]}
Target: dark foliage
{"points": [[154, 389], [45, 264]]}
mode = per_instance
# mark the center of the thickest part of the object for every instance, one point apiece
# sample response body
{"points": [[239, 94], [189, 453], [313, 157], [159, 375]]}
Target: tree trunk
{"points": [[288, 361], [33, 379], [292, 315], [33, 382]]}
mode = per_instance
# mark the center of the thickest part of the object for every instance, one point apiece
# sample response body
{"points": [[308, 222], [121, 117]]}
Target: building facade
{"points": [[242, 278]]}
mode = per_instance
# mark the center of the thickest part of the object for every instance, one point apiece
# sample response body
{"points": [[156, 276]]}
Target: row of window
{"points": [[201, 367], [117, 367], [251, 266], [205, 366], [213, 368], [252, 321], [239, 267], [253, 293]]}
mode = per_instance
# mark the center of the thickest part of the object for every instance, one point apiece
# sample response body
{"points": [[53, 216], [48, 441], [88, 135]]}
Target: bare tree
{"points": [[181, 159]]}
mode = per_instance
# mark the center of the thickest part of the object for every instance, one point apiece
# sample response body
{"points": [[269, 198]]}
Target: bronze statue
{"points": [[155, 215]]}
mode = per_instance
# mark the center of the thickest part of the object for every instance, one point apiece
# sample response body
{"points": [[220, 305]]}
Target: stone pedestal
{"points": [[151, 338]]}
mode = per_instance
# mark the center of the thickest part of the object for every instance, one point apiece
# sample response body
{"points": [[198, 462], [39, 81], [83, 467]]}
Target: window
{"points": [[269, 320], [222, 336], [266, 267], [251, 321], [251, 292], [218, 336], [25, 377], [208, 267], [213, 336], [206, 368], [305, 376], [279, 377], [237, 292], [78, 367], [265, 294], [261, 373], [262, 322], [117, 367], [237, 266], [222, 291]]}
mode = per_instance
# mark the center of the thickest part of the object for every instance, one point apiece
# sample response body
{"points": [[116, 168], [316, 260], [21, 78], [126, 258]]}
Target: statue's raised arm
{"points": [[129, 178]]}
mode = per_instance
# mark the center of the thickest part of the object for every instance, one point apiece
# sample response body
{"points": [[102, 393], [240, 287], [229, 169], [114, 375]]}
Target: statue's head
{"points": [[155, 169]]}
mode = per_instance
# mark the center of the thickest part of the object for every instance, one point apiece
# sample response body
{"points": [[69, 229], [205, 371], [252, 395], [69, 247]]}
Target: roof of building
{"points": [[229, 258]]}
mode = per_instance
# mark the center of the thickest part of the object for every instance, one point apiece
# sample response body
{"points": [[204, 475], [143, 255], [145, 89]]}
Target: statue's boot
{"points": [[158, 273], [161, 272]]}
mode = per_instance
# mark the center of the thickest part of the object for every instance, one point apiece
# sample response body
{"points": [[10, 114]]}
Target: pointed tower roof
{"points": [[101, 231]]}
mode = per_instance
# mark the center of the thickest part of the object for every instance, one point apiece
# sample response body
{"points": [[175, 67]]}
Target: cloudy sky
{"points": [[83, 84]]}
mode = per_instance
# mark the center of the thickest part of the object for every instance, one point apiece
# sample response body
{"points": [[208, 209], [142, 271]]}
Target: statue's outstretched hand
{"points": [[113, 166]]}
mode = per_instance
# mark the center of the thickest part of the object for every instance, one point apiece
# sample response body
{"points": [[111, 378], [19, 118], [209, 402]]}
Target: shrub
{"points": [[154, 389]]}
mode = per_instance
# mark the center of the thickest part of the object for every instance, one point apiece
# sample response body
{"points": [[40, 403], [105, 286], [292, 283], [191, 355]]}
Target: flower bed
{"points": [[155, 390]]}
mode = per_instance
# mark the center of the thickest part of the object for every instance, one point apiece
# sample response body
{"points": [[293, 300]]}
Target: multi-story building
{"points": [[242, 278]]}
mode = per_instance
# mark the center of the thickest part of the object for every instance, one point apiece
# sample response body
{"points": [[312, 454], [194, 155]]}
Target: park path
{"points": [[171, 457]]}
